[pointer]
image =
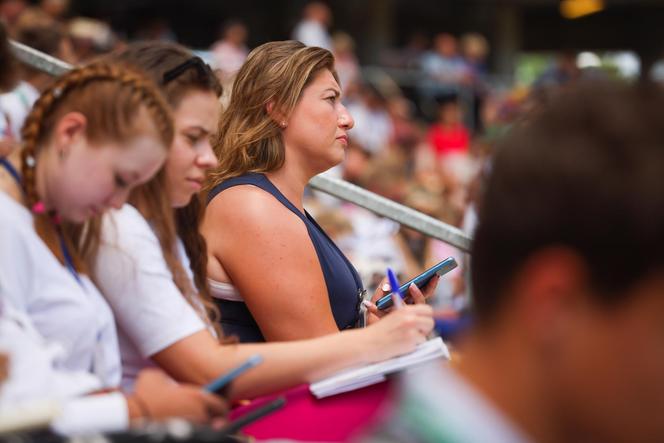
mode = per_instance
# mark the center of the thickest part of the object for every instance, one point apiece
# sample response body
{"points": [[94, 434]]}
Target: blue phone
{"points": [[217, 386], [421, 281]]}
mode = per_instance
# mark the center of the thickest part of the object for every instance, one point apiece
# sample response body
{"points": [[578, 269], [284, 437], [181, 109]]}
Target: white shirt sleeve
{"points": [[93, 413], [133, 276], [35, 381]]}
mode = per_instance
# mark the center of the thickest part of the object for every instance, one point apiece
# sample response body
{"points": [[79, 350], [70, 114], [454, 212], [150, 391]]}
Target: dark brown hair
{"points": [[585, 172], [177, 72]]}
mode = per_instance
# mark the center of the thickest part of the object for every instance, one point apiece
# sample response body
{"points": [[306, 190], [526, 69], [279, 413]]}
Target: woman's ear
{"points": [[276, 115], [70, 128]]}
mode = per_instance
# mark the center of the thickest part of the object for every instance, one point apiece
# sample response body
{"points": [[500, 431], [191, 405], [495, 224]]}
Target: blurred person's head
{"points": [[318, 12], [11, 10], [445, 44], [449, 111], [343, 44], [474, 47], [568, 263], [56, 9], [387, 175], [356, 163], [169, 200], [285, 103], [90, 37], [235, 32], [40, 32]]}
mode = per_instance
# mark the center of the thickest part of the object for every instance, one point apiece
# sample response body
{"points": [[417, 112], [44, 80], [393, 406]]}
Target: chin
{"points": [[181, 202]]}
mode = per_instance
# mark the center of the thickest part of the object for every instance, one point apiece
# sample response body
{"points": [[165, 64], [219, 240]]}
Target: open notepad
{"points": [[351, 379]]}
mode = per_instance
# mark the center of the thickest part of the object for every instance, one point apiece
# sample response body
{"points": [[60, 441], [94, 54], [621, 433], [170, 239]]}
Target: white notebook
{"points": [[351, 379]]}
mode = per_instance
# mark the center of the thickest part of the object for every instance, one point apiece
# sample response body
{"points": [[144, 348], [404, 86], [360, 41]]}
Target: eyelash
{"points": [[332, 99], [193, 139]]}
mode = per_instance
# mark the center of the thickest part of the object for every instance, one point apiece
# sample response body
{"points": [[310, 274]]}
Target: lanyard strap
{"points": [[12, 171], [69, 262]]}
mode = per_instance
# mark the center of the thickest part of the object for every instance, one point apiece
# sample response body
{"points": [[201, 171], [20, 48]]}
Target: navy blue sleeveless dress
{"points": [[344, 286]]}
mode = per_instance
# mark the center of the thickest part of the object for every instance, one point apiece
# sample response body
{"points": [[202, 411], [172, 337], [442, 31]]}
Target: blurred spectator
{"points": [[56, 9], [312, 30], [10, 10], [230, 52], [156, 28], [408, 57], [35, 29], [405, 133], [474, 50], [90, 37], [373, 125], [448, 135], [345, 62], [443, 65], [563, 71]]}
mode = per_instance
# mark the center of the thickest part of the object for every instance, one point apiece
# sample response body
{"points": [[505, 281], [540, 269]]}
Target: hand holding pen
{"points": [[415, 296]]}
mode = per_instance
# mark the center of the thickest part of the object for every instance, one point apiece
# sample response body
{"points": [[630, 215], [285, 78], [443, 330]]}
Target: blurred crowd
{"points": [[425, 123]]}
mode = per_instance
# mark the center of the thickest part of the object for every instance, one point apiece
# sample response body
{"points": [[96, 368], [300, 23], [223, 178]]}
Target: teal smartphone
{"points": [[421, 281]]}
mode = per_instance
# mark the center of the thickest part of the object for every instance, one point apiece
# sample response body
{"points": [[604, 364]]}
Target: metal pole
{"points": [[39, 60], [392, 210]]}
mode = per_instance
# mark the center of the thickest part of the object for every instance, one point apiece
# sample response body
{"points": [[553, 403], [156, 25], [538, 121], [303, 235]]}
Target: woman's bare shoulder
{"points": [[250, 206]]}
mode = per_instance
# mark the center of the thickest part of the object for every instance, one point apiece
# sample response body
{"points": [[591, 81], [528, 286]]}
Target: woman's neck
{"points": [[291, 182], [8, 183]]}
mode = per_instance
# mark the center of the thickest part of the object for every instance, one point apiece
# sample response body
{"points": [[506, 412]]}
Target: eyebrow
{"points": [[197, 127], [337, 92]]}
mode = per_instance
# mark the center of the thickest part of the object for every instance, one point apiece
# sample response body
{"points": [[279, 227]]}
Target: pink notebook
{"points": [[331, 419]]}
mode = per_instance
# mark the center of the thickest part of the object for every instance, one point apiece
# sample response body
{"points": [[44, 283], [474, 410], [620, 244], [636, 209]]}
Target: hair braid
{"points": [[65, 95]]}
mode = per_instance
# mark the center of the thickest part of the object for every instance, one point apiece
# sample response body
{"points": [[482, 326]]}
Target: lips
{"points": [[197, 182], [343, 139]]}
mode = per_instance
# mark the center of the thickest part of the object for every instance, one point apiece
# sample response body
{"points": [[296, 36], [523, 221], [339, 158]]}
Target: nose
{"points": [[206, 158], [345, 119]]}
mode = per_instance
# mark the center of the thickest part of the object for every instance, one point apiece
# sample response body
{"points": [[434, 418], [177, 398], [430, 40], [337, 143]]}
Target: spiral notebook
{"points": [[351, 379]]}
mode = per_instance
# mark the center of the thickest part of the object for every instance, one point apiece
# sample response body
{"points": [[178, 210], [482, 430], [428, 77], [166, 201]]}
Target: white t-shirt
{"points": [[150, 311], [62, 311], [36, 384], [312, 33], [17, 104]]}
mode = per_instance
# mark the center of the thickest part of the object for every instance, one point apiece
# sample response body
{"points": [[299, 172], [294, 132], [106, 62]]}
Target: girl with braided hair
{"points": [[156, 299], [93, 136]]}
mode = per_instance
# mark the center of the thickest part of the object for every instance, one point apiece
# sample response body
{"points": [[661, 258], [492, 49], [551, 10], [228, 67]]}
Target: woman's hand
{"points": [[157, 397], [415, 296], [399, 332]]}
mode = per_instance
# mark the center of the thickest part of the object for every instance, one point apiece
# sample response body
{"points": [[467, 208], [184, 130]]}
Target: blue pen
{"points": [[394, 286], [220, 383]]}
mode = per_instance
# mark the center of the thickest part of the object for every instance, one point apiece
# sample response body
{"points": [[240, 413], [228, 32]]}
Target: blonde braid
{"points": [[40, 122]]}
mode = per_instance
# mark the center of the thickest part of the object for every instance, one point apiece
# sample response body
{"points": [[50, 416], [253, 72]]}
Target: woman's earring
{"points": [[283, 124]]}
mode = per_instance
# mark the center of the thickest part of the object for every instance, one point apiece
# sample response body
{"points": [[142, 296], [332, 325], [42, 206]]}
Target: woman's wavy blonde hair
{"points": [[273, 76]]}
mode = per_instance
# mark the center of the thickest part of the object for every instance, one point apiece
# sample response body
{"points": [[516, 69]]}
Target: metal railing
{"points": [[338, 188]]}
